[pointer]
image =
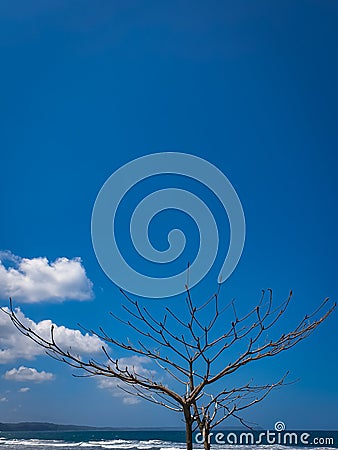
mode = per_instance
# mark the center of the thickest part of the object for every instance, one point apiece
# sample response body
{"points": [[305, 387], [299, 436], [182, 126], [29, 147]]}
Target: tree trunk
{"points": [[206, 440], [205, 431], [188, 429]]}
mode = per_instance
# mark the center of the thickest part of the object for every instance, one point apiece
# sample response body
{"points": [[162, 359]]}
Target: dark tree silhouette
{"points": [[187, 347]]}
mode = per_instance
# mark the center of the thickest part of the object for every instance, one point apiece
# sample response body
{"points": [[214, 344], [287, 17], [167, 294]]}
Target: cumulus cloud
{"points": [[14, 345], [135, 364], [24, 389], [37, 279], [28, 374]]}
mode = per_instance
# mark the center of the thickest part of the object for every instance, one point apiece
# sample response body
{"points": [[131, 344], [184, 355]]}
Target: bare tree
{"points": [[187, 346]]}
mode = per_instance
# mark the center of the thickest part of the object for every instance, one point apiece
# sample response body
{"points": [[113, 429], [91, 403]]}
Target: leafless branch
{"points": [[188, 350]]}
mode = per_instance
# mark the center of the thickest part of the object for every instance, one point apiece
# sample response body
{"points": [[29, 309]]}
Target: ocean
{"points": [[120, 440]]}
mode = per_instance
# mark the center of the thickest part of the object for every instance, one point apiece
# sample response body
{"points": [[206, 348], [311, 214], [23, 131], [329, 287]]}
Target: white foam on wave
{"points": [[113, 442], [122, 444], [39, 443]]}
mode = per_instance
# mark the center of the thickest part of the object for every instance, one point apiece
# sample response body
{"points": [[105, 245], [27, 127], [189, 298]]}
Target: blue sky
{"points": [[250, 87]]}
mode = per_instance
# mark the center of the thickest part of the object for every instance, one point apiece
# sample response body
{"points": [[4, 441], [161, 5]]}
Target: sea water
{"points": [[119, 440]]}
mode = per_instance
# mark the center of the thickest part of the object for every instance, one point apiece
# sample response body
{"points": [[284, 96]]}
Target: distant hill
{"points": [[45, 426]]}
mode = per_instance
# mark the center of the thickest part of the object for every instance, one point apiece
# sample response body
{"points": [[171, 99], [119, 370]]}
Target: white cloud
{"points": [[24, 389], [28, 374], [3, 399], [135, 364], [14, 345], [37, 280]]}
